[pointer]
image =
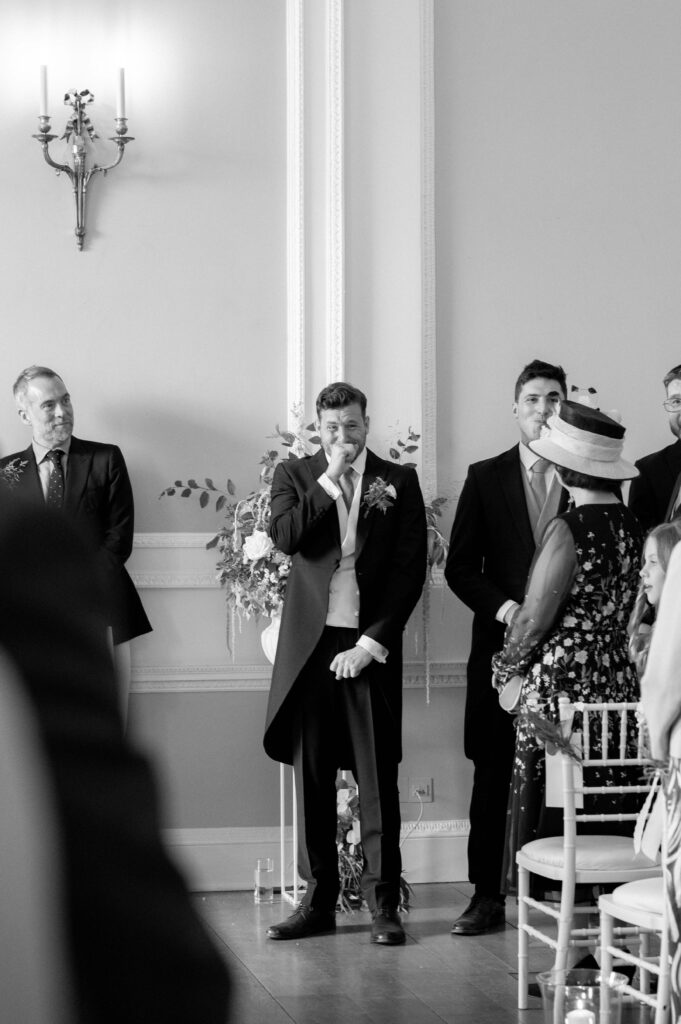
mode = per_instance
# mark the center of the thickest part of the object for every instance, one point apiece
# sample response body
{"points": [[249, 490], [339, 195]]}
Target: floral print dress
{"points": [[568, 638]]}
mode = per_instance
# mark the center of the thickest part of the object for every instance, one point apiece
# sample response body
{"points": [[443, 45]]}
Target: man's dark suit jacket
{"points": [[138, 951], [390, 564], [651, 492], [490, 553], [98, 500]]}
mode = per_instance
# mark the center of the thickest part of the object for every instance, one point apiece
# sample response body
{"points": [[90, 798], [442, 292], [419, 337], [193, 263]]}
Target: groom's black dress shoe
{"points": [[482, 914], [386, 928], [306, 921]]}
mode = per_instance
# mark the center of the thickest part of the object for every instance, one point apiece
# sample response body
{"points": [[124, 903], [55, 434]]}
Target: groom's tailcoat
{"points": [[98, 501], [651, 492], [390, 565]]}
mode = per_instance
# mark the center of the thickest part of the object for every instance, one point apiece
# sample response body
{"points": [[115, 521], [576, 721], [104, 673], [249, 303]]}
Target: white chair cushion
{"points": [[593, 853], [644, 894]]}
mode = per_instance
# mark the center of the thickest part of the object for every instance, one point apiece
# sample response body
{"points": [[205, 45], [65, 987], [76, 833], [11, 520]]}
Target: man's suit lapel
{"points": [[511, 487], [80, 460], [673, 460], [366, 517], [29, 477]]}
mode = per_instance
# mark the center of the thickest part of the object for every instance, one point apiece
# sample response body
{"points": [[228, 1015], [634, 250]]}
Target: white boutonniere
{"points": [[379, 495]]}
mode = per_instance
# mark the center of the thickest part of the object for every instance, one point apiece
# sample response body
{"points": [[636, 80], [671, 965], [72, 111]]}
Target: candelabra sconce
{"points": [[78, 127]]}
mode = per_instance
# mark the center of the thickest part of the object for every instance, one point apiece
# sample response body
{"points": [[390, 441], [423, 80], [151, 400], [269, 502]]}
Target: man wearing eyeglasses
{"points": [[654, 496]]}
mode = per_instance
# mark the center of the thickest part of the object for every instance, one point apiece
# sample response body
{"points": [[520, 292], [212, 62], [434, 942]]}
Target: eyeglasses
{"points": [[673, 404]]}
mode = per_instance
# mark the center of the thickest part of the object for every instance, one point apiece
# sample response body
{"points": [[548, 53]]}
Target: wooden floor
{"points": [[338, 978]]}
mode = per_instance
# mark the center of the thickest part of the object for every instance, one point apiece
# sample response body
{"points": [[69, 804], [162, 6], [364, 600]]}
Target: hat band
{"points": [[585, 443]]}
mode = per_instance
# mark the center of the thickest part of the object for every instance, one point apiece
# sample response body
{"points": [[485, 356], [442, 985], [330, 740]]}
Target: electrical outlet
{"points": [[420, 787]]}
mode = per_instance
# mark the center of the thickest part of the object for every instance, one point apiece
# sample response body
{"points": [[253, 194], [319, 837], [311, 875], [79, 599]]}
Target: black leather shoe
{"points": [[304, 922], [386, 929], [482, 914]]}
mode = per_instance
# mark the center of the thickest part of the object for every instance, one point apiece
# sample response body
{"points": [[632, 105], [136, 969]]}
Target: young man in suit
{"points": [[336, 697], [505, 503], [89, 483], [654, 494]]}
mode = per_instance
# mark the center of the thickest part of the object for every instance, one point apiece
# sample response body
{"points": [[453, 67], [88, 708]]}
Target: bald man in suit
{"points": [[88, 482]]}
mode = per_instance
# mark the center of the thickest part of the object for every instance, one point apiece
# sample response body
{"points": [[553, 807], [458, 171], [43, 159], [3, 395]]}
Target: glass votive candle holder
{"points": [[264, 880]]}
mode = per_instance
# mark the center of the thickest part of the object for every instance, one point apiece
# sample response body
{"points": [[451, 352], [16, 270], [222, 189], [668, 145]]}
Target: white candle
{"points": [[120, 94], [43, 90]]}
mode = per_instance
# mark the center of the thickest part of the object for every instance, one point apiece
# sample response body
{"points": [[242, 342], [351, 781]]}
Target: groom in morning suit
{"points": [[654, 496], [336, 696], [88, 482], [505, 504]]}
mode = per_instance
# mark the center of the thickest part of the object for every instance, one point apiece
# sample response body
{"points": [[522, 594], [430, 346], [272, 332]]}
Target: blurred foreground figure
{"points": [[138, 952], [661, 701]]}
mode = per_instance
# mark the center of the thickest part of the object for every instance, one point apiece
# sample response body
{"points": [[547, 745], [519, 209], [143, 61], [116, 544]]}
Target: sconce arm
{"points": [[120, 141], [45, 141]]}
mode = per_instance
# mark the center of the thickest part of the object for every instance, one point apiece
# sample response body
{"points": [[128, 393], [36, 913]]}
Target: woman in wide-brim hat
{"points": [[569, 636]]}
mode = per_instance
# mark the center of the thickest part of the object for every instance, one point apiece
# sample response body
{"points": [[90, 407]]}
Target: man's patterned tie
{"points": [[55, 485]]}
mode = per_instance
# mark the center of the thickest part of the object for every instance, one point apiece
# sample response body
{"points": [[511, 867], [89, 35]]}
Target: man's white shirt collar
{"points": [[528, 459], [40, 451]]}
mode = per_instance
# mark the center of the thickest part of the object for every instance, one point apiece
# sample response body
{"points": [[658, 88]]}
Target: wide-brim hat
{"points": [[587, 441]]}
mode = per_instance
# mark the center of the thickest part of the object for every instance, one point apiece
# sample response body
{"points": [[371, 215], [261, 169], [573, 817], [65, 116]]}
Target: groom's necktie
{"points": [[347, 486], [55, 485], [538, 481]]}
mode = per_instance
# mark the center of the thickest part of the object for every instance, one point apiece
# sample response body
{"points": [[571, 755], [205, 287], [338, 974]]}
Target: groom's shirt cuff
{"points": [[377, 651], [329, 486]]}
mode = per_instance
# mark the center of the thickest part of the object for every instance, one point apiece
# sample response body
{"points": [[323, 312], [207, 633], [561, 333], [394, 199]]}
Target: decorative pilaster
{"points": [[335, 331], [428, 316], [295, 209]]}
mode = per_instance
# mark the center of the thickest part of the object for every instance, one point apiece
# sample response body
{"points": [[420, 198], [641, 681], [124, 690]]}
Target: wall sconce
{"points": [[77, 128]]}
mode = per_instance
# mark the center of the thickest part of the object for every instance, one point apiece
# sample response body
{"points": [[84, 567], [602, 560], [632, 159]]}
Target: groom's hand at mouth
{"points": [[342, 457]]}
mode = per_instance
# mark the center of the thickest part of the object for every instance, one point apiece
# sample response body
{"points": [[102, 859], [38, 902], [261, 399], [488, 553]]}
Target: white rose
{"points": [[258, 545]]}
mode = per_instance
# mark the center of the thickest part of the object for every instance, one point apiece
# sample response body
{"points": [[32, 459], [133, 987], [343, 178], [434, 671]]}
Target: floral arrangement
{"points": [[9, 474], [350, 857], [250, 568], [349, 844]]}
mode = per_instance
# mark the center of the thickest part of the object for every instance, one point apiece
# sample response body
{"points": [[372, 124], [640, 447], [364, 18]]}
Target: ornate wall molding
{"points": [[216, 859], [183, 579], [251, 678], [172, 540], [250, 834], [295, 207], [171, 580], [335, 313]]}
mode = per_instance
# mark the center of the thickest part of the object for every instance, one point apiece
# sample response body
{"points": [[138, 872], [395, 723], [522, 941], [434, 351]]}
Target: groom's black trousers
{"points": [[344, 724]]}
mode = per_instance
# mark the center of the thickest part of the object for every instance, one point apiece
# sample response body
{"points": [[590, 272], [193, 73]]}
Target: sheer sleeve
{"points": [[551, 577]]}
